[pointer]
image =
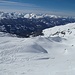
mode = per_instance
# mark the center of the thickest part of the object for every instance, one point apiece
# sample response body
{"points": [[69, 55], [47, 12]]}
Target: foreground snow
{"points": [[51, 54]]}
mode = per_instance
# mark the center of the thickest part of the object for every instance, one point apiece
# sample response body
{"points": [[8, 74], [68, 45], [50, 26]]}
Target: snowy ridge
{"points": [[16, 15], [60, 31], [51, 54]]}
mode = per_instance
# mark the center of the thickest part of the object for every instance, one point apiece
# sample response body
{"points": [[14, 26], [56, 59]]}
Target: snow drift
{"points": [[51, 54]]}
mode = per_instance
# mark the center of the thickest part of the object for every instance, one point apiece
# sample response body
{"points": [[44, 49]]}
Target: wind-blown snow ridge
{"points": [[51, 54]]}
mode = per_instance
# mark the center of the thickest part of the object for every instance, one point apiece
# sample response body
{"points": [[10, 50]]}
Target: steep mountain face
{"points": [[24, 25]]}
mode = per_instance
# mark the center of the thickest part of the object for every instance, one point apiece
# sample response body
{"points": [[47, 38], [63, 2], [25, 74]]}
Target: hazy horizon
{"points": [[56, 7]]}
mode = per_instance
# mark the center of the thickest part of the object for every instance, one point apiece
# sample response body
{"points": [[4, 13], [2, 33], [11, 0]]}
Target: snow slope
{"points": [[51, 54]]}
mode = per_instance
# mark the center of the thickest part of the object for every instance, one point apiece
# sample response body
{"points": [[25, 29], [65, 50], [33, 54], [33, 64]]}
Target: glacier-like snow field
{"points": [[51, 54]]}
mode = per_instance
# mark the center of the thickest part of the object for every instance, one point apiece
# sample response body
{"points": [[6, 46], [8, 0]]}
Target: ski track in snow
{"points": [[51, 54]]}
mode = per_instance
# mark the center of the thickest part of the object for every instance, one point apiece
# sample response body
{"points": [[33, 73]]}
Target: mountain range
{"points": [[30, 24]]}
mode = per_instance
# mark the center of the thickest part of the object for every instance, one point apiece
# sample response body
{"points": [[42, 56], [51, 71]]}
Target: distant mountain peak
{"points": [[25, 15]]}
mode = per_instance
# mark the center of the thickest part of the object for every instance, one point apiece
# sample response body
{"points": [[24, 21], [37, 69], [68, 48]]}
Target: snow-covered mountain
{"points": [[26, 24], [51, 54], [61, 31], [15, 15]]}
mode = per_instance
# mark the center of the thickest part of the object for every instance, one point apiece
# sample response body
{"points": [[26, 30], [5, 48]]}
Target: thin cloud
{"points": [[10, 6], [16, 3]]}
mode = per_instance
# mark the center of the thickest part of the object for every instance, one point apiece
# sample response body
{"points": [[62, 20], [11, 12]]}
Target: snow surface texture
{"points": [[51, 54]]}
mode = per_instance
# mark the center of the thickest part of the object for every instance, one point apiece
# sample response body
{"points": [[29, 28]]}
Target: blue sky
{"points": [[59, 7]]}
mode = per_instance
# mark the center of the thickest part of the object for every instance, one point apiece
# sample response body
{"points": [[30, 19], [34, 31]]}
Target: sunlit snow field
{"points": [[51, 54]]}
